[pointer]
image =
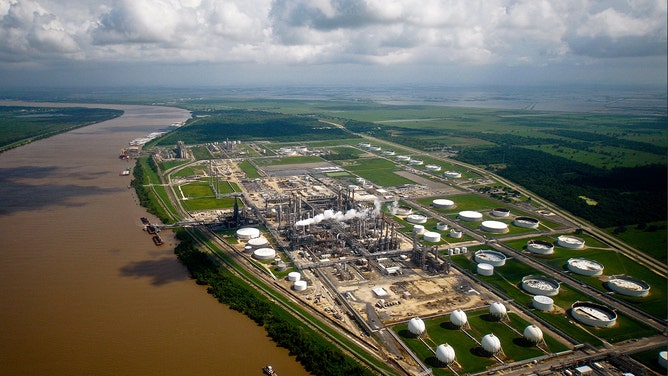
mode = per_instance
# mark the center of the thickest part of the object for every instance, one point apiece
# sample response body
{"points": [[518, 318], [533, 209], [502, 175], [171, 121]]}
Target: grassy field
{"points": [[650, 238], [376, 170], [250, 170]]}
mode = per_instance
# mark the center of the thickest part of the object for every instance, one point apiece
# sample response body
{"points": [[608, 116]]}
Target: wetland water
{"points": [[83, 288]]}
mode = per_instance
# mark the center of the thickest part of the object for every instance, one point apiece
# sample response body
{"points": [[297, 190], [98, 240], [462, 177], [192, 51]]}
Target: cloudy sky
{"points": [[219, 42]]}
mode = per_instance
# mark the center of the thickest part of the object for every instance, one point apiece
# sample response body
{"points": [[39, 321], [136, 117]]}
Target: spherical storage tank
{"points": [[248, 233], [540, 247], [585, 267], [294, 276], [442, 203], [491, 343], [494, 227], [628, 286], [488, 256], [498, 310], [416, 218], [432, 237], [416, 326], [485, 269], [458, 318], [533, 334], [539, 285], [445, 353], [264, 254], [526, 222], [470, 216], [542, 303], [570, 242], [593, 314]]}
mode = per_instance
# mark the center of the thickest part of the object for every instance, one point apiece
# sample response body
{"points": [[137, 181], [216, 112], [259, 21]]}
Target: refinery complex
{"points": [[432, 276]]}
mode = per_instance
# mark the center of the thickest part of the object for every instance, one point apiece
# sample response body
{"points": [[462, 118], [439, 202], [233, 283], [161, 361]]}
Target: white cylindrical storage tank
{"points": [[416, 218], [498, 310], [485, 269], [445, 353], [533, 334], [431, 167], [442, 203], [248, 233], [258, 242], [454, 233], [458, 318], [418, 229], [300, 285], [416, 162], [470, 216], [542, 303], [494, 227], [501, 212], [593, 314], [281, 266], [526, 222], [663, 359], [294, 276], [585, 267], [264, 254], [628, 286], [441, 226], [491, 343], [375, 148], [403, 158], [364, 144], [450, 252], [432, 237], [416, 326], [458, 250], [403, 210], [248, 249], [389, 152], [465, 250], [570, 242], [540, 247], [452, 174], [488, 256], [539, 285]]}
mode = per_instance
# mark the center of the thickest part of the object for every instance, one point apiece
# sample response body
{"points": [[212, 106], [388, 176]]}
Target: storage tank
{"points": [[540, 285], [441, 226], [264, 254], [389, 152], [494, 227], [491, 343], [418, 229], [431, 167], [294, 276], [663, 359], [501, 212], [442, 203], [403, 210], [248, 233], [498, 310], [300, 285], [452, 174], [445, 353], [416, 162], [526, 222], [584, 267], [543, 303], [485, 269], [470, 216], [248, 249], [403, 158], [454, 233], [533, 334], [458, 318], [416, 218], [570, 242], [416, 326], [258, 242], [433, 237], [540, 247], [593, 314], [488, 256], [628, 286]]}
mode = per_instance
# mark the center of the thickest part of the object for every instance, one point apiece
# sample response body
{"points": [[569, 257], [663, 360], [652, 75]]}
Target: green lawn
{"points": [[376, 170]]}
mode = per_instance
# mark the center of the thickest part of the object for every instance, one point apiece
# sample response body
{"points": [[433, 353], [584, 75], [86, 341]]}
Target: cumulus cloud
{"points": [[384, 32]]}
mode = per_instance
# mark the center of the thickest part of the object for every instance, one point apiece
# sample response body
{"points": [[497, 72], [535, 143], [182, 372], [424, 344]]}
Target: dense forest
{"points": [[212, 126], [315, 353]]}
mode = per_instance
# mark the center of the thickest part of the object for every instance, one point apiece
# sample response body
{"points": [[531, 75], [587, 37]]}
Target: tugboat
{"points": [[157, 240], [269, 371]]}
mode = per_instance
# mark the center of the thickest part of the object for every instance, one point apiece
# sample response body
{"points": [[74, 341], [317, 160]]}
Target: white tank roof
{"points": [[458, 317], [533, 334], [497, 310], [264, 254], [491, 343], [248, 233], [259, 241], [445, 353], [470, 215], [416, 326]]}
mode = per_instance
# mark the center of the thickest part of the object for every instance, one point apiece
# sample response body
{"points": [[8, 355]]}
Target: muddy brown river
{"points": [[84, 291]]}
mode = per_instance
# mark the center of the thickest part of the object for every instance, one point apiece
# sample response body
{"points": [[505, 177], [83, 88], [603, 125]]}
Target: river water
{"points": [[84, 291]]}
